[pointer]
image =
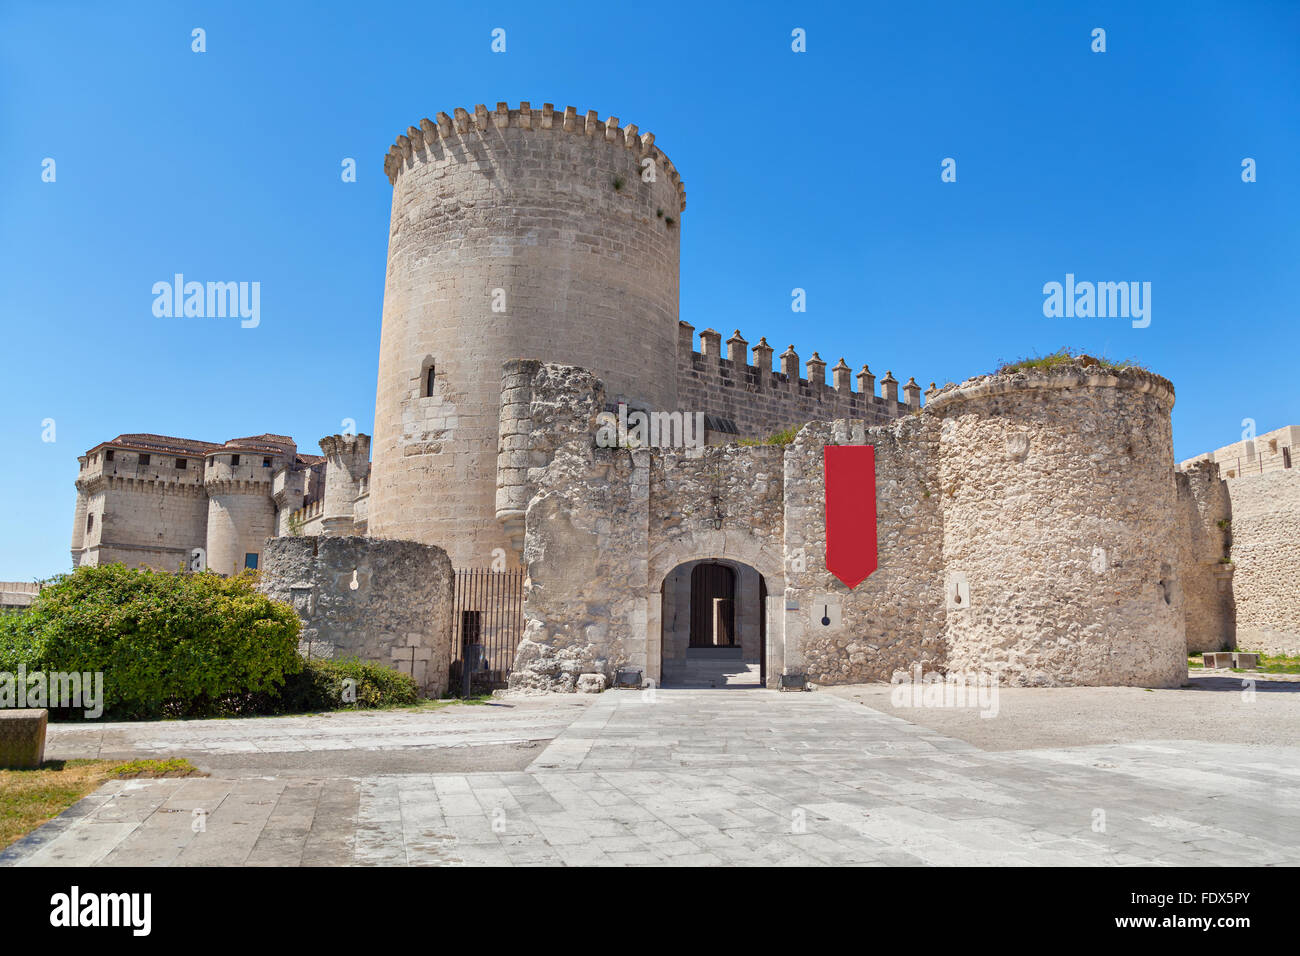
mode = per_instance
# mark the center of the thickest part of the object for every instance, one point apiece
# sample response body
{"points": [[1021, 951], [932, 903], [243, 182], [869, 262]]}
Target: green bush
{"points": [[20, 645], [167, 644], [320, 686]]}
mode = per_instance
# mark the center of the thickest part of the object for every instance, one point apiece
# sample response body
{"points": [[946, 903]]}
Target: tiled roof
{"points": [[263, 443], [161, 443]]}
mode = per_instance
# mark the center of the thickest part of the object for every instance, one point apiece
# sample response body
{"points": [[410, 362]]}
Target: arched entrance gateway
{"points": [[714, 625]]}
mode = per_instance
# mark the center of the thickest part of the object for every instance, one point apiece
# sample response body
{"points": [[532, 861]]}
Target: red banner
{"points": [[850, 512]]}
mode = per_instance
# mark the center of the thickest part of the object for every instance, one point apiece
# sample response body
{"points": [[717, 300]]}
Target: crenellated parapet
{"points": [[759, 398], [446, 136]]}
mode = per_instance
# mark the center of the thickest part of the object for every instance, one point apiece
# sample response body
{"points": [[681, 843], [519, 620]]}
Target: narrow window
{"points": [[428, 382], [108, 455], [144, 461], [90, 522], [250, 561], [234, 459], [266, 463], [1286, 457], [180, 464]]}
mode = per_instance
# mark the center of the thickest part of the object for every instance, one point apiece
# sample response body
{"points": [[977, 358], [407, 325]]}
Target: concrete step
{"points": [[704, 674], [715, 653]]}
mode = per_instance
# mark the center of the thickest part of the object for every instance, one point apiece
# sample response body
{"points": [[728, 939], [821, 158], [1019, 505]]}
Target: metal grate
{"points": [[487, 622]]}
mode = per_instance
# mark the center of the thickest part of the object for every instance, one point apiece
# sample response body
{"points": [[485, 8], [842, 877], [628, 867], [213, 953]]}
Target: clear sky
{"points": [[817, 170]]}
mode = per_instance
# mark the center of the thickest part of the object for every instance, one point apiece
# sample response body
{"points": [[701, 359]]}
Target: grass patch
{"points": [[175, 767], [29, 798], [1063, 357], [1278, 664]]}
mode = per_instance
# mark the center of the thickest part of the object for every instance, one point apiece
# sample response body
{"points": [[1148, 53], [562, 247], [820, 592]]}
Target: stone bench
{"points": [[1217, 659], [22, 738]]}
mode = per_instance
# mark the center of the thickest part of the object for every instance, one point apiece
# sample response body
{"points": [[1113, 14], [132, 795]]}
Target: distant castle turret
{"points": [[153, 500]]}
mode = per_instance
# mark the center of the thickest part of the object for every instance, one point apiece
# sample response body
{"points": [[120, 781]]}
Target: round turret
{"points": [[515, 234], [1059, 540], [238, 479]]}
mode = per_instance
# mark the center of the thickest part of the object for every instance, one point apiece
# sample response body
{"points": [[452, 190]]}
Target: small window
{"points": [[1286, 457], [234, 459], [266, 463], [90, 522], [428, 382], [144, 461], [108, 455], [250, 561], [180, 464]]}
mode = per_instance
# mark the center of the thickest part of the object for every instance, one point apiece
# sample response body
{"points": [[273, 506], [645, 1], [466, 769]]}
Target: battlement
{"points": [[443, 137], [760, 399], [123, 468], [1272, 451]]}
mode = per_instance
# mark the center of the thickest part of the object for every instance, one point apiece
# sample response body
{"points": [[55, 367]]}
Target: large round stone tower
{"points": [[1060, 532], [515, 234]]}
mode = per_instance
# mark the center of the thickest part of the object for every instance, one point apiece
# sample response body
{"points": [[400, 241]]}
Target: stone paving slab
{"points": [[709, 778]]}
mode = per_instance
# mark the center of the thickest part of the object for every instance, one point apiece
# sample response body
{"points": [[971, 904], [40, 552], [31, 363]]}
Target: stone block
{"points": [[591, 683], [22, 737], [1216, 659], [1245, 661]]}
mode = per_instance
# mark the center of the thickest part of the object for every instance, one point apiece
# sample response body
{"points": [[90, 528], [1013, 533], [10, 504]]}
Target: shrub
{"points": [[167, 644], [320, 684], [20, 645]]}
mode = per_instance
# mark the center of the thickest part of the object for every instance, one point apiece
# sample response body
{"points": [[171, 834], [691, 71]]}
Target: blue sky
{"points": [[818, 170]]}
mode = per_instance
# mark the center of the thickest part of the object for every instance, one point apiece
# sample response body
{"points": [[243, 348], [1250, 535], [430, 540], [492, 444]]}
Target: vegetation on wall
{"points": [[1062, 357], [783, 437]]}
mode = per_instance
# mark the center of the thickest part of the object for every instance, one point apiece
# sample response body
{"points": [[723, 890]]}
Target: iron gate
{"points": [[487, 622]]}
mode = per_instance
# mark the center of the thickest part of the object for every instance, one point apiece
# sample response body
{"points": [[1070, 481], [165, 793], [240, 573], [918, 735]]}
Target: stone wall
{"points": [[542, 407], [895, 618], [389, 602], [139, 523], [721, 503], [1266, 560], [1204, 519], [1051, 495], [585, 547]]}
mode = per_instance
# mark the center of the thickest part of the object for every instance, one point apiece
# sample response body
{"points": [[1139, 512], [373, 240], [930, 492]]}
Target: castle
{"points": [[1031, 523]]}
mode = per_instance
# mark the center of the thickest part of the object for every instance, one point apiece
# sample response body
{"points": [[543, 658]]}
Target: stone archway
{"points": [[713, 625], [757, 622]]}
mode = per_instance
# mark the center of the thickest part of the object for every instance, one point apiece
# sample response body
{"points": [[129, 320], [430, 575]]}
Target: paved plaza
{"points": [[696, 777]]}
